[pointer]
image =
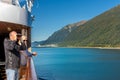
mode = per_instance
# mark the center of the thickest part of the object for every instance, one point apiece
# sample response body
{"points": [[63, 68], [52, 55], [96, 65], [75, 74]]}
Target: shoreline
{"points": [[83, 47], [93, 47]]}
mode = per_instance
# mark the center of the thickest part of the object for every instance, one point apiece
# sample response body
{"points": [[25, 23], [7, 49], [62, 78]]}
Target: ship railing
{"points": [[30, 72]]}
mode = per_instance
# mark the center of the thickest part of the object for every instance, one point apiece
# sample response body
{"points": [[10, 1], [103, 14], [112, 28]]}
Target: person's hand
{"points": [[34, 53]]}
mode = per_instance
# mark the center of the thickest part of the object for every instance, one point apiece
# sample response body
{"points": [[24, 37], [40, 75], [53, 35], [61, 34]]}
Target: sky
{"points": [[52, 15]]}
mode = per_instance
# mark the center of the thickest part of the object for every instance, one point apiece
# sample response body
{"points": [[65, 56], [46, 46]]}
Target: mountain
{"points": [[101, 31], [60, 35]]}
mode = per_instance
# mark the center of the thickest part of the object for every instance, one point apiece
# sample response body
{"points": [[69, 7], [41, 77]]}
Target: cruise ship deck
{"points": [[15, 18]]}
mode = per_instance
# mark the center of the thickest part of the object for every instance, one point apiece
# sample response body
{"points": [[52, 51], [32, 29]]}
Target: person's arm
{"points": [[17, 46], [29, 53], [11, 45]]}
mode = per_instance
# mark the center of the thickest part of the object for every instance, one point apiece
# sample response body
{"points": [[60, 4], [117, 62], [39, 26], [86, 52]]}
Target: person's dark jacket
{"points": [[23, 46], [12, 54]]}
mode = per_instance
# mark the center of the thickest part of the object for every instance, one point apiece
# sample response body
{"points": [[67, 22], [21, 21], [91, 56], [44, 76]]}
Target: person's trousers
{"points": [[12, 74]]}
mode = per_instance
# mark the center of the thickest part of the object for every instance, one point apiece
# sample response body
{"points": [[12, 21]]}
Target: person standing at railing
{"points": [[12, 62], [25, 48], [25, 54]]}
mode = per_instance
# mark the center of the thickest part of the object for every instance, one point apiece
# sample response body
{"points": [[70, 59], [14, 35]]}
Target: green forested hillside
{"points": [[60, 35], [101, 31]]}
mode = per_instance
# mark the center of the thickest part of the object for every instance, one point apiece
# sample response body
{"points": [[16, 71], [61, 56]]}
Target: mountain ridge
{"points": [[60, 35], [101, 31]]}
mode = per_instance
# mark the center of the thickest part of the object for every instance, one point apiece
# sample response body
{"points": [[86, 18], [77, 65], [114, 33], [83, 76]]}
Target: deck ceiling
{"points": [[7, 27]]}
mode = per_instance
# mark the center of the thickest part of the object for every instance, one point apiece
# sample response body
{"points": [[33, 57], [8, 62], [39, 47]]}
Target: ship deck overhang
{"points": [[6, 27]]}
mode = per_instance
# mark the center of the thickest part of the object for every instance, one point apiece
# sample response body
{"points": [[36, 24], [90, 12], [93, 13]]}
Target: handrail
{"points": [[30, 70], [33, 71]]}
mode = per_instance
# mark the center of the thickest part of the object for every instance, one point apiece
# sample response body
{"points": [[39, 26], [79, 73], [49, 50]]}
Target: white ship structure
{"points": [[16, 15]]}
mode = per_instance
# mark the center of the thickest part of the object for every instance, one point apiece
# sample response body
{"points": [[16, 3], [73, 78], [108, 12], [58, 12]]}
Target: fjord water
{"points": [[77, 64]]}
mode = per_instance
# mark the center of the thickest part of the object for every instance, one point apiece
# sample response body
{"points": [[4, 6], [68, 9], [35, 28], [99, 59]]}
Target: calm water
{"points": [[77, 64]]}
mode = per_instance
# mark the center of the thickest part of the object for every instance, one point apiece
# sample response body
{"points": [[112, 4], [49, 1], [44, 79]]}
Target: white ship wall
{"points": [[14, 14]]}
